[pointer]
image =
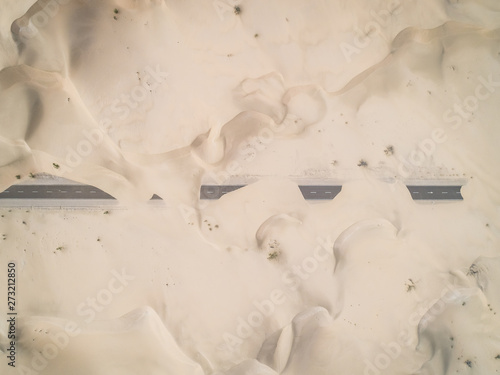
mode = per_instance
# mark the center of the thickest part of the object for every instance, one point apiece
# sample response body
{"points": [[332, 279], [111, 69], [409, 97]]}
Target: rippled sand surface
{"points": [[143, 97]]}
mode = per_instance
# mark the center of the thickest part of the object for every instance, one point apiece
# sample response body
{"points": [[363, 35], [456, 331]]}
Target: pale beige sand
{"points": [[161, 96]]}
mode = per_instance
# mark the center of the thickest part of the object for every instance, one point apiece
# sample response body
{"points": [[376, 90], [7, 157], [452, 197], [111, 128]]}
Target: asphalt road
{"points": [[436, 192], [56, 192], [312, 192]]}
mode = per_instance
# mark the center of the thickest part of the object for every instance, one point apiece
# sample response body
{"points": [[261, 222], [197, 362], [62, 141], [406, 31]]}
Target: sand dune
{"points": [[157, 97]]}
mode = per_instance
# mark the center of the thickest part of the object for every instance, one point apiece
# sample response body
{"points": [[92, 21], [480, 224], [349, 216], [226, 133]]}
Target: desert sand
{"points": [[143, 97]]}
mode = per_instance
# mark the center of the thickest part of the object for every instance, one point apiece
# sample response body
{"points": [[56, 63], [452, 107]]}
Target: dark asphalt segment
{"points": [[313, 192], [435, 192]]}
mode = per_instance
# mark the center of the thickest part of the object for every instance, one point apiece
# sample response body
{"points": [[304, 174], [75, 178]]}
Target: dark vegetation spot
{"points": [[237, 9], [410, 285], [472, 270], [362, 163], [273, 255]]}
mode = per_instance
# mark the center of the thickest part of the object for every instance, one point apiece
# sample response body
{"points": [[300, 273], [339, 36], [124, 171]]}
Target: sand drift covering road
{"points": [[136, 98]]}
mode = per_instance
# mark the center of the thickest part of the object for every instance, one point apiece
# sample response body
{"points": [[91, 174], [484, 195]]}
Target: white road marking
{"points": [[213, 192]]}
